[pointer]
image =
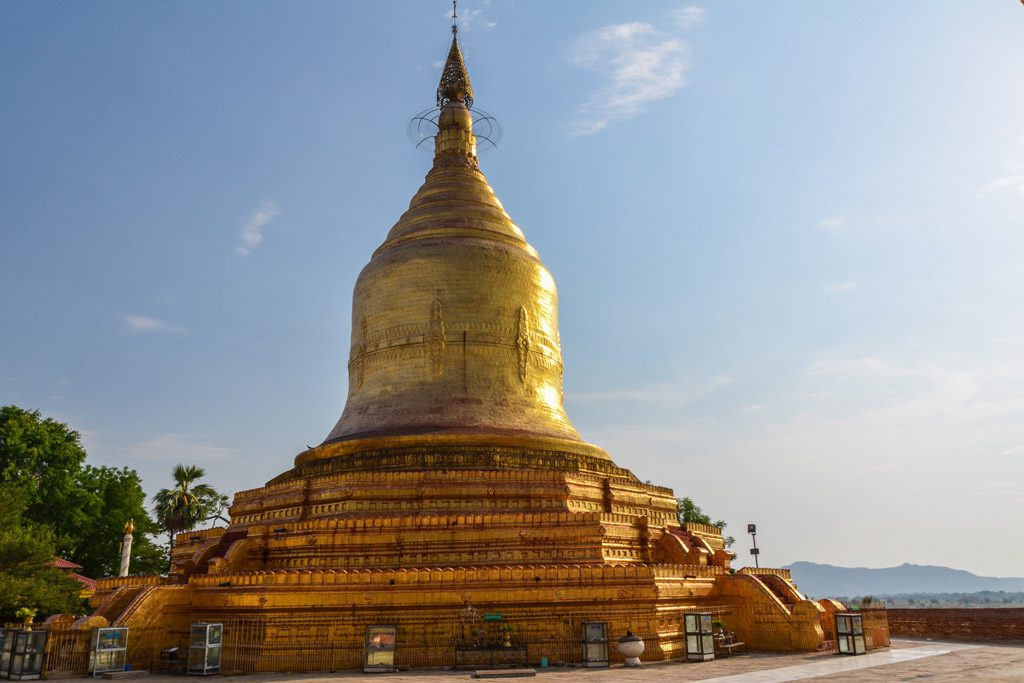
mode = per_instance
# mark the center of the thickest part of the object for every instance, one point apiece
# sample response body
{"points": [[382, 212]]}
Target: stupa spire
{"points": [[454, 85], [455, 318]]}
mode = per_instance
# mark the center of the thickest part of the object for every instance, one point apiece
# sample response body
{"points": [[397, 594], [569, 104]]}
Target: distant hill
{"points": [[825, 580]]}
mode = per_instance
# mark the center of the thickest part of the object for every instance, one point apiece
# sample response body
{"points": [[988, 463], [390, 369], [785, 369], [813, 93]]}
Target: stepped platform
{"points": [[320, 559]]}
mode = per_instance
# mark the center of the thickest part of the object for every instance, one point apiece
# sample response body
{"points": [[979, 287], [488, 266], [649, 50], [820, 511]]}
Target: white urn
{"points": [[631, 647]]}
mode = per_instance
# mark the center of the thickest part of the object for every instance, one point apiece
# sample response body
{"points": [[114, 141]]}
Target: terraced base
{"points": [[448, 516], [316, 559], [290, 620]]}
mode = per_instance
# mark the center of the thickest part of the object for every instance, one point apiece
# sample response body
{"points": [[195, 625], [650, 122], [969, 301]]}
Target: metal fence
{"points": [[334, 642], [68, 650], [328, 643]]}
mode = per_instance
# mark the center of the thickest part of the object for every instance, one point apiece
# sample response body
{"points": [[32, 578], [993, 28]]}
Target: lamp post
{"points": [[752, 530]]}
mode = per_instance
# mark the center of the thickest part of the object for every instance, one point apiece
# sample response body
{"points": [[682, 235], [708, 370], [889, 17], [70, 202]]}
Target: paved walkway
{"points": [[836, 667], [905, 661]]}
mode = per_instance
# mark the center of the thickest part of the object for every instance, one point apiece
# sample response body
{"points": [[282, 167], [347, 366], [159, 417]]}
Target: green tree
{"points": [[27, 575], [118, 497], [85, 507], [43, 457], [688, 511], [188, 503]]}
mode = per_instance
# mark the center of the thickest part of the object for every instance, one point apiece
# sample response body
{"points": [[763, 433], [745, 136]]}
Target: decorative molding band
{"points": [[453, 456]]}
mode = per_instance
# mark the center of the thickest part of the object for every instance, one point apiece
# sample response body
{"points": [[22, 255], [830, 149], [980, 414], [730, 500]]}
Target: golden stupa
{"points": [[454, 494]]}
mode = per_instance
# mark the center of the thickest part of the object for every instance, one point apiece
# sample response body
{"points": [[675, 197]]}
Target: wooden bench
{"points": [[726, 645], [505, 673], [117, 675], [487, 657]]}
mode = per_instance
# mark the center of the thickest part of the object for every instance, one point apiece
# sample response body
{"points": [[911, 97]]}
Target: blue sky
{"points": [[788, 239]]}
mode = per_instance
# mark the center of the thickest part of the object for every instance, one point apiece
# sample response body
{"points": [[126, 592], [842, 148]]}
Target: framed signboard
{"points": [[700, 640], [204, 648], [379, 650], [850, 633], [26, 661], [595, 644], [108, 649]]}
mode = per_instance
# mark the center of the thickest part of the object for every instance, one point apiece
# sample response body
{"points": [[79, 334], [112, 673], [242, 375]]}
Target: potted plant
{"points": [[506, 632], [26, 614]]}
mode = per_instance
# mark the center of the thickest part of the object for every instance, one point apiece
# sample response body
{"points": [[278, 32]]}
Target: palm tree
{"points": [[183, 507]]}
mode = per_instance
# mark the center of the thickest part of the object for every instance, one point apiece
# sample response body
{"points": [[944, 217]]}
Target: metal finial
{"points": [[454, 85]]}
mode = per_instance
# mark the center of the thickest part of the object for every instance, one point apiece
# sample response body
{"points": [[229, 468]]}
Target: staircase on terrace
{"points": [[114, 606], [132, 606], [781, 588], [219, 550]]}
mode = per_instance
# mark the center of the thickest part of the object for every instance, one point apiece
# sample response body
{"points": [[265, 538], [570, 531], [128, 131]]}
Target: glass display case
{"points": [[204, 648], [27, 655], [379, 651], [108, 650], [6, 645], [850, 634], [595, 644], [700, 639]]}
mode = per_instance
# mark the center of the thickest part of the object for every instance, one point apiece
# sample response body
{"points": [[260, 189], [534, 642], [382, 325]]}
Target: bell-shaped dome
{"points": [[455, 318]]}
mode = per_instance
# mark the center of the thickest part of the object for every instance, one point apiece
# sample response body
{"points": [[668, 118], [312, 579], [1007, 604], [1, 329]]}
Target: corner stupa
{"points": [[454, 493]]}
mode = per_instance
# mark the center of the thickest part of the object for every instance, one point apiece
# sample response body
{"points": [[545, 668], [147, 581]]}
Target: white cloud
{"points": [[879, 369], [907, 432], [1011, 182], [640, 64], [944, 394], [469, 17], [137, 324], [1009, 490], [671, 395], [833, 224], [178, 448], [252, 231], [91, 440], [689, 15], [840, 287]]}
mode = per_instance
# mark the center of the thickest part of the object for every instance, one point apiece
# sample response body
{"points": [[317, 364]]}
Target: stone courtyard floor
{"points": [[906, 660]]}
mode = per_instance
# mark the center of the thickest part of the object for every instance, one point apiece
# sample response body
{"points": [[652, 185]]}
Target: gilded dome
{"points": [[455, 317]]}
